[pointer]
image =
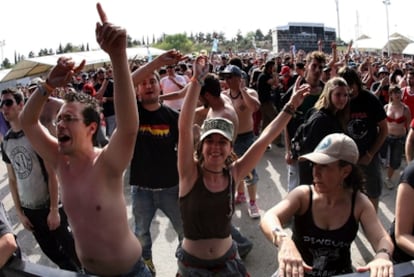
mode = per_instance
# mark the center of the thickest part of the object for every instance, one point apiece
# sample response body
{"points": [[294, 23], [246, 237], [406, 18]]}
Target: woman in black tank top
{"points": [[326, 216], [207, 178]]}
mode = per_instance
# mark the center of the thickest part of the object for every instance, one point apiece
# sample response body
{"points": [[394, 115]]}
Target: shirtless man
{"points": [[215, 104], [245, 102], [92, 178]]}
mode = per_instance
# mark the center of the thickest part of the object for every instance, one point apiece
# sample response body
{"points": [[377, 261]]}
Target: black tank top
{"points": [[207, 214], [327, 251]]}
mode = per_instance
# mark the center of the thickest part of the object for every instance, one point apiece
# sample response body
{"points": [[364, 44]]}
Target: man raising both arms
{"points": [[92, 178]]}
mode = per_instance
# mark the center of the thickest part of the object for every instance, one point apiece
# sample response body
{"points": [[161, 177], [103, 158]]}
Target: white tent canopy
{"points": [[94, 59], [369, 44], [397, 43], [409, 49]]}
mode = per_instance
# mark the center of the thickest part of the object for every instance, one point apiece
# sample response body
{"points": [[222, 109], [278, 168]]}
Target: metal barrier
{"points": [[20, 268], [403, 269]]}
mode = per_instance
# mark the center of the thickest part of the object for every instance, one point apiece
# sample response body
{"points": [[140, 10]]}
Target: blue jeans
{"points": [[229, 265], [373, 174], [393, 150], [138, 270], [145, 203], [241, 145], [110, 125]]}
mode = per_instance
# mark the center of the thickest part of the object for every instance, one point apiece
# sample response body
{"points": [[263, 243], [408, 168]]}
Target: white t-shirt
{"points": [[169, 86]]}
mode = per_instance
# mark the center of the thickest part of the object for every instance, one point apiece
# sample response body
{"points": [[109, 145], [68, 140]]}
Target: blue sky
{"points": [[28, 25]]}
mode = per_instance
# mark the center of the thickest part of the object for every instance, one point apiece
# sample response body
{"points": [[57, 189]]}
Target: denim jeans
{"points": [[138, 270], [293, 175], [393, 150], [229, 265], [145, 203], [241, 145], [110, 125]]}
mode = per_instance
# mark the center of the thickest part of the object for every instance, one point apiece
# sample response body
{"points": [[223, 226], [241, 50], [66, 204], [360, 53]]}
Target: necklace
{"points": [[212, 171], [235, 97]]}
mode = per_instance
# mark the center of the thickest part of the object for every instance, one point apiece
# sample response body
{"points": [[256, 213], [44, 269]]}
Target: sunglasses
{"points": [[7, 103]]}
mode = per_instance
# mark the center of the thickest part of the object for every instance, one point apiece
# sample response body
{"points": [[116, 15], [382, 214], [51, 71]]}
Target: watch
{"points": [[278, 233]]}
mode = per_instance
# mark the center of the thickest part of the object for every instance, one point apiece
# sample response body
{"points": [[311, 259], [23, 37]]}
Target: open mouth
{"points": [[63, 138]]}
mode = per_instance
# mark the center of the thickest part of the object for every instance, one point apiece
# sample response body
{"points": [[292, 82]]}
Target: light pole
{"points": [[2, 44], [387, 3], [337, 17]]}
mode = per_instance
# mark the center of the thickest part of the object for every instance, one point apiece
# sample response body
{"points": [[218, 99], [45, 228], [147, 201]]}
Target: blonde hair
{"points": [[325, 99]]}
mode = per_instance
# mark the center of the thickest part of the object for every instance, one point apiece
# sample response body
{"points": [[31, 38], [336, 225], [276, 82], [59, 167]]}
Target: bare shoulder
{"points": [[299, 198], [362, 204], [251, 91]]}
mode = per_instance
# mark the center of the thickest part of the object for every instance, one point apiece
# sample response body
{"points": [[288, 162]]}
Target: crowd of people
{"points": [[206, 121]]}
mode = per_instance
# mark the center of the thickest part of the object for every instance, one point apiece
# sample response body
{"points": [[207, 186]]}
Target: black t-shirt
{"points": [[264, 89], [154, 164], [302, 111], [366, 113], [108, 106]]}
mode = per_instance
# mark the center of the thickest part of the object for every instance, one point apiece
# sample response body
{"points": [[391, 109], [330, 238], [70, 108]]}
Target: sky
{"points": [[30, 25]]}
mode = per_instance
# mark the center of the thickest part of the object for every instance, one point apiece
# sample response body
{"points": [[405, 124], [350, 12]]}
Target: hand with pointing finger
{"points": [[111, 38]]}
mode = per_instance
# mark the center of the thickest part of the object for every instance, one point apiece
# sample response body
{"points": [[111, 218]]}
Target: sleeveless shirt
{"points": [[327, 251], [207, 214]]}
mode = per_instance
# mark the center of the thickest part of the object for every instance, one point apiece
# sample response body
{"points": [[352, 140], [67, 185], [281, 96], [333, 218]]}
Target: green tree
{"points": [[60, 51], [6, 63], [129, 41], [259, 35], [68, 48], [177, 41]]}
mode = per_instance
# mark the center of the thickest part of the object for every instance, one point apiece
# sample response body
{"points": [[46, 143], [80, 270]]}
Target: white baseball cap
{"points": [[217, 125], [334, 147]]}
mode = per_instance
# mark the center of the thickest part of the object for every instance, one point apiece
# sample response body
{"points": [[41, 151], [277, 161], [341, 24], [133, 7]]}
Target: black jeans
{"points": [[58, 245]]}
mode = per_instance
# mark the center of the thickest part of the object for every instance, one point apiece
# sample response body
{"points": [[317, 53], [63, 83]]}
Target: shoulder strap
{"points": [[310, 197]]}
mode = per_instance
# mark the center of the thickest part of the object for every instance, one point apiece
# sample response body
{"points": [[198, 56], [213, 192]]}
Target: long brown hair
{"points": [[325, 100]]}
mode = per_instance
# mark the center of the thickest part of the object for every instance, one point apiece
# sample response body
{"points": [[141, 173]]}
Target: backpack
{"points": [[298, 142]]}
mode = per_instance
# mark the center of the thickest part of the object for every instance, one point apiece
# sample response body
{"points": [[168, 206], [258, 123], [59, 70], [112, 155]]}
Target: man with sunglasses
{"points": [[34, 188]]}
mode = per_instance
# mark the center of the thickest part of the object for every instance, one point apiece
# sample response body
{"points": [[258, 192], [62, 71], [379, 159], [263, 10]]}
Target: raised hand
{"points": [[299, 92], [111, 38], [62, 73], [200, 67], [171, 57]]}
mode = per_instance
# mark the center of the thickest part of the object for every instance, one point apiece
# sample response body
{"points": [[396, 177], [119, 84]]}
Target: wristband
{"points": [[198, 80], [384, 250], [290, 109]]}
